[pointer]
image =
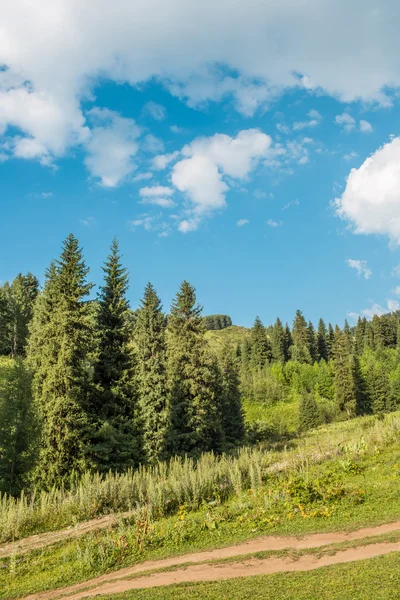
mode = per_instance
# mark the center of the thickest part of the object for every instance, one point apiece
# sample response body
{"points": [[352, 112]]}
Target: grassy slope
{"points": [[358, 484], [233, 336]]}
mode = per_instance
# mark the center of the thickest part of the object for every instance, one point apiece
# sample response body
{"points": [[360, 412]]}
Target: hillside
{"points": [[232, 336], [336, 478]]}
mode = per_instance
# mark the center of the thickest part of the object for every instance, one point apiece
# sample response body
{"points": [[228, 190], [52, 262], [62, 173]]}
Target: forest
{"points": [[91, 385]]}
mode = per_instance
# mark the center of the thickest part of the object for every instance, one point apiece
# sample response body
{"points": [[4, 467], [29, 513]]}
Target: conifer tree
{"points": [[322, 347], [360, 335], [23, 292], [232, 416], [288, 341], [301, 349], [18, 428], [330, 341], [278, 342], [347, 376], [115, 443], [152, 375], [5, 321], [260, 347], [379, 391], [309, 413], [312, 342], [195, 425], [61, 339]]}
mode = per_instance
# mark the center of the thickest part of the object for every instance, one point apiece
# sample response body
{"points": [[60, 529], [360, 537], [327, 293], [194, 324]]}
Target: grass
{"points": [[233, 336], [341, 477], [377, 579]]}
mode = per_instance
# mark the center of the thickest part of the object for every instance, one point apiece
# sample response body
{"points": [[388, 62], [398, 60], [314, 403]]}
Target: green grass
{"points": [[374, 579], [233, 336], [340, 477]]}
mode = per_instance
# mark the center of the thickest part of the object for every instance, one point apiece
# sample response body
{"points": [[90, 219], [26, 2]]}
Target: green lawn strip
{"points": [[372, 579]]}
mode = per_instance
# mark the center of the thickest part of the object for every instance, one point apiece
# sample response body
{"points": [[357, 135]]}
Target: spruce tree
{"points": [[61, 338], [232, 415], [5, 321], [278, 342], [312, 342], [309, 413], [321, 346], [23, 293], [301, 350], [260, 347], [18, 428], [115, 444], [330, 341], [347, 376], [360, 335], [195, 425], [152, 375]]}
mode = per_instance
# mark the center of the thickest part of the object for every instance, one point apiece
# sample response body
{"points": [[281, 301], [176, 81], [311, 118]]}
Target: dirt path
{"points": [[119, 580], [41, 540]]}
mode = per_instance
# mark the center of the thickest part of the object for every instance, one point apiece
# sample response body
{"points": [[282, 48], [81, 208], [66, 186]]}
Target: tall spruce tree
{"points": [[278, 342], [61, 338], [322, 347], [154, 406], [232, 415], [360, 335], [260, 346], [301, 350], [116, 444], [195, 424], [347, 376], [330, 341], [312, 342]]}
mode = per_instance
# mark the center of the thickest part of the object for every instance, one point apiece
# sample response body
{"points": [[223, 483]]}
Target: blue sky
{"points": [[267, 173]]}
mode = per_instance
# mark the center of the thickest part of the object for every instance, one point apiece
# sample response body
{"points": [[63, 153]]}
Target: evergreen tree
{"points": [[278, 342], [60, 341], [152, 375], [115, 444], [347, 376], [23, 293], [330, 341], [309, 413], [195, 425], [312, 342], [301, 349], [260, 347], [322, 347], [5, 321], [232, 415], [360, 335], [18, 429], [379, 391], [288, 341]]}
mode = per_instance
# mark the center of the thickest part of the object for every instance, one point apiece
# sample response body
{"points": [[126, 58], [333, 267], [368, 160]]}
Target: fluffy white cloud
{"points": [[200, 175], [365, 127], [361, 266], [152, 144], [160, 162], [346, 121], [111, 147], [378, 309], [371, 199], [272, 223], [57, 50], [242, 222]]}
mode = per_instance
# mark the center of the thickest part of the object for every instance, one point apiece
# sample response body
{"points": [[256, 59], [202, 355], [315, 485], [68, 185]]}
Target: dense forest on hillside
{"points": [[97, 386]]}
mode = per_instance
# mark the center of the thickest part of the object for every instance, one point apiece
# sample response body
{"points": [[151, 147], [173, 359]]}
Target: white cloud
{"points": [[396, 271], [361, 266], [207, 161], [162, 202], [396, 290], [242, 222], [282, 128], [346, 121], [291, 203], [157, 111], [378, 309], [88, 221], [152, 144], [111, 147], [176, 129], [371, 199], [60, 50], [143, 176], [350, 156], [365, 127], [272, 223], [160, 162], [155, 191]]}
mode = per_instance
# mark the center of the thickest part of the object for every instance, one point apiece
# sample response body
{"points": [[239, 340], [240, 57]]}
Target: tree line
{"points": [[335, 373], [106, 388]]}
